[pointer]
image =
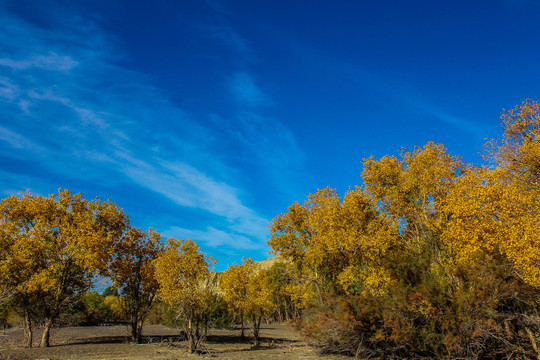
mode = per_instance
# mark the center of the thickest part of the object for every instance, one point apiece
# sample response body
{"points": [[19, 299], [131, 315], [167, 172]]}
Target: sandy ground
{"points": [[111, 342]]}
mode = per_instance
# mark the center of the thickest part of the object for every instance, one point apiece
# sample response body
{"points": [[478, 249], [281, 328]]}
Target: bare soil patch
{"points": [[112, 342]]}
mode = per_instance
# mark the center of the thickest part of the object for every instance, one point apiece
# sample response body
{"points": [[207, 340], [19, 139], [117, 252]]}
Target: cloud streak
{"points": [[403, 93], [52, 62], [460, 123], [267, 139], [246, 93], [85, 116]]}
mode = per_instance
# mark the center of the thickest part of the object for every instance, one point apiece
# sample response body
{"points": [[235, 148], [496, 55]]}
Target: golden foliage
{"points": [[433, 257], [53, 243], [53, 246], [497, 210], [324, 236], [246, 288], [182, 272], [132, 272], [408, 189], [518, 151], [132, 267]]}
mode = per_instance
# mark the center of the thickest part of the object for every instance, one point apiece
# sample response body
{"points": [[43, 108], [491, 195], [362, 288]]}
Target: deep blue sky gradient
{"points": [[204, 119]]}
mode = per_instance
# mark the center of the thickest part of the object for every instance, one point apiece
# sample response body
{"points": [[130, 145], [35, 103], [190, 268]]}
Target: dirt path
{"points": [[111, 342]]}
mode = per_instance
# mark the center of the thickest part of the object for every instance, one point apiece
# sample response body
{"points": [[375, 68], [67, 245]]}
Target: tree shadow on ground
{"points": [[267, 343], [236, 339], [154, 339], [174, 339]]}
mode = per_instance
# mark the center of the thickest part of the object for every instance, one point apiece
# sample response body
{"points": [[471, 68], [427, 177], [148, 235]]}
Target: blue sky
{"points": [[204, 119]]}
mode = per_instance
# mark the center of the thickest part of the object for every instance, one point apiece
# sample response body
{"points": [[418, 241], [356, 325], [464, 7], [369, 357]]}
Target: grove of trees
{"points": [[53, 249], [430, 258]]}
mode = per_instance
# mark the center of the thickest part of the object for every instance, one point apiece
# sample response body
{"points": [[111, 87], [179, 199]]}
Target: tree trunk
{"points": [[135, 329], [256, 328], [45, 337], [28, 334], [191, 342], [139, 332], [242, 335]]}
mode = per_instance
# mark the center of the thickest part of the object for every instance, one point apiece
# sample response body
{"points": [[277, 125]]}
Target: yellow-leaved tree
{"points": [[233, 285], [329, 240], [132, 272], [494, 212], [259, 301], [21, 245], [497, 209], [247, 290], [408, 188], [183, 274], [55, 245]]}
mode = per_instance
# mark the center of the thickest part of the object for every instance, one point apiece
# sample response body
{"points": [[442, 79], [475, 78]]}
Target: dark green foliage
{"points": [[217, 315], [5, 314], [93, 309], [110, 290], [280, 275]]}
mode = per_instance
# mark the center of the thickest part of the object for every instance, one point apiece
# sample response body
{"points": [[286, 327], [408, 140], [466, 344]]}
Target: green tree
{"points": [[282, 278]]}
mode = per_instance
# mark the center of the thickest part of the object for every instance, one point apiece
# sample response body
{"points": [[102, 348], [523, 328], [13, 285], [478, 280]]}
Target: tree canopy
{"points": [[54, 246]]}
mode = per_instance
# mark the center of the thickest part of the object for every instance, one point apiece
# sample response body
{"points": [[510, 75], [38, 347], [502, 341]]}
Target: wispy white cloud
{"points": [[234, 41], [8, 90], [278, 149], [52, 61], [215, 238], [87, 117], [246, 93], [189, 187], [463, 124], [266, 138], [223, 31], [17, 141]]}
